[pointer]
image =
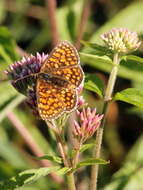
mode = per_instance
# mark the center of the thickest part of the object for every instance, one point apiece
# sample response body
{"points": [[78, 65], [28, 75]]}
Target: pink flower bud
{"points": [[89, 121]]}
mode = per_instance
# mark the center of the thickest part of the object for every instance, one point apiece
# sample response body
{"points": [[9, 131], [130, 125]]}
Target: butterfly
{"points": [[58, 81], [54, 81]]}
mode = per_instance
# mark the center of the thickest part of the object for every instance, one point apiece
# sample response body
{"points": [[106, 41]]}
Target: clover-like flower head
{"points": [[121, 40]]}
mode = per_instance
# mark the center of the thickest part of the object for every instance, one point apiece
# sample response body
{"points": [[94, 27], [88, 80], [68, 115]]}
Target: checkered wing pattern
{"points": [[63, 55], [61, 76], [49, 99], [72, 74], [54, 100], [69, 97]]}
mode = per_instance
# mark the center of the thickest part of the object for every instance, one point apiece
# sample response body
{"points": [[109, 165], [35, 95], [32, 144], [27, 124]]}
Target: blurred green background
{"points": [[27, 27]]}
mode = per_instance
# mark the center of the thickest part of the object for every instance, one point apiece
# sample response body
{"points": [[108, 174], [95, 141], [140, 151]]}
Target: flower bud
{"points": [[121, 40], [89, 121]]}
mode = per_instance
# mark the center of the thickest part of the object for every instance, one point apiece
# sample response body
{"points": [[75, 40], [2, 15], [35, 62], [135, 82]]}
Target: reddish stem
{"points": [[83, 21], [51, 8]]}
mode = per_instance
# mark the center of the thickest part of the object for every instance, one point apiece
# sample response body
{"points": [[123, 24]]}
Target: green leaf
{"points": [[129, 176], [51, 158], [2, 10], [69, 25], [11, 105], [86, 146], [82, 149], [7, 92], [136, 150], [99, 49], [96, 60], [64, 170], [92, 161], [5, 56], [7, 46], [11, 154], [128, 69], [26, 177], [94, 84], [62, 14], [128, 58], [132, 96]]}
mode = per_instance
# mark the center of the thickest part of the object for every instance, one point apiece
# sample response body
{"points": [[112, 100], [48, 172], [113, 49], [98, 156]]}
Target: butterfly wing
{"points": [[55, 97], [73, 75], [57, 92], [64, 62], [63, 55], [49, 100], [70, 98]]}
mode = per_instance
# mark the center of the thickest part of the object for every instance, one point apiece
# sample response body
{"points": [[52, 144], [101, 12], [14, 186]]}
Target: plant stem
{"points": [[51, 8], [63, 151], [83, 21], [71, 181], [112, 79], [75, 160], [99, 135]]}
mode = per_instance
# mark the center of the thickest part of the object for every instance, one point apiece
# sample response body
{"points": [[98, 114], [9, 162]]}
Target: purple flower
{"points": [[27, 66], [23, 73], [89, 121], [23, 77]]}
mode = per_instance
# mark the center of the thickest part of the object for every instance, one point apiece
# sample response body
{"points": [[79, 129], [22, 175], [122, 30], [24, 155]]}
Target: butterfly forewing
{"points": [[63, 55]]}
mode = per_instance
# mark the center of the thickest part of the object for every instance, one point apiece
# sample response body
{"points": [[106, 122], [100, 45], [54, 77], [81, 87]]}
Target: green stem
{"points": [[76, 157], [112, 79], [71, 182], [63, 151], [99, 135]]}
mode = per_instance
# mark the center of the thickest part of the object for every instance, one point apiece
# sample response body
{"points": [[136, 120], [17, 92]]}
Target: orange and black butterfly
{"points": [[59, 78], [57, 81]]}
